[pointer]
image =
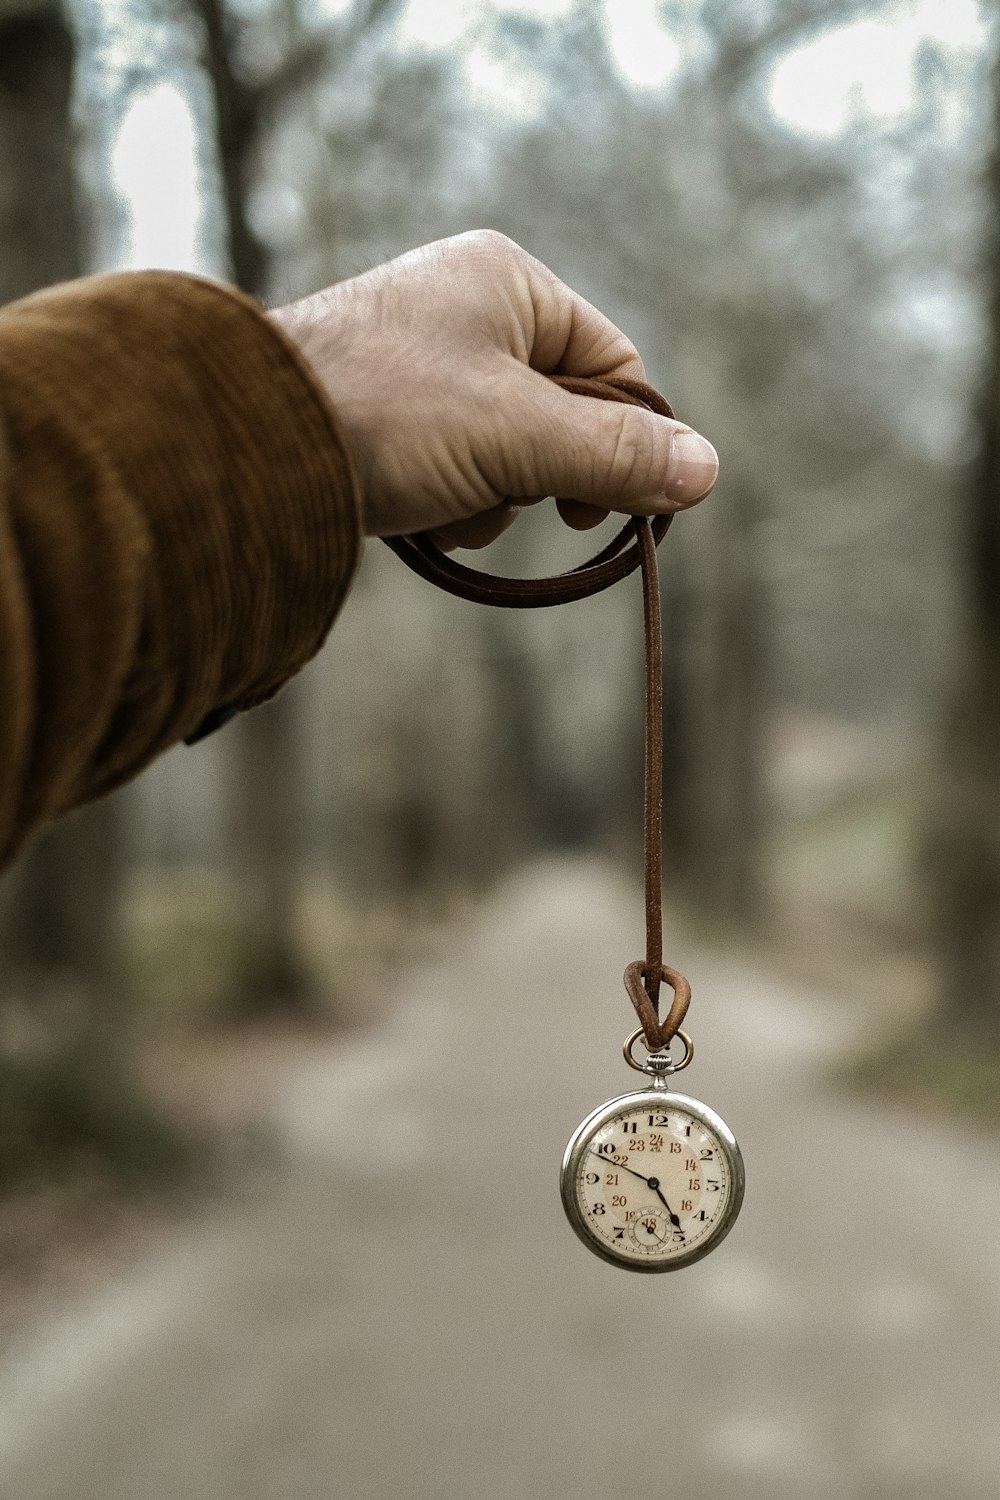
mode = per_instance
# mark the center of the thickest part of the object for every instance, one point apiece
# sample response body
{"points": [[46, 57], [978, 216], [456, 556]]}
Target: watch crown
{"points": [[659, 1062]]}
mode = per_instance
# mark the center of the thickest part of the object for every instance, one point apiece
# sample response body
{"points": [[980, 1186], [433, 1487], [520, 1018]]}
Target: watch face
{"points": [[652, 1181]]}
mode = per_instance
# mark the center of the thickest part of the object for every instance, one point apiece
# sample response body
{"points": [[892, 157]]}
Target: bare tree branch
{"points": [[319, 53], [743, 50]]}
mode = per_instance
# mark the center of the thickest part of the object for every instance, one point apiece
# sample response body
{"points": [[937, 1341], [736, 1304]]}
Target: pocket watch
{"points": [[652, 1180]]}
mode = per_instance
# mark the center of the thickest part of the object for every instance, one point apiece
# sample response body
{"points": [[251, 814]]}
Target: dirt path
{"points": [[407, 1315]]}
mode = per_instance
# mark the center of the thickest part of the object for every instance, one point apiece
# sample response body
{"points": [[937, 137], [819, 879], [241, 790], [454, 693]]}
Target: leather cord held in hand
{"points": [[633, 547], [642, 980]]}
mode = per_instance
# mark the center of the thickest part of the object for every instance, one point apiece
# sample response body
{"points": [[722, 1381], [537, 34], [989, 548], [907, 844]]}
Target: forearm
{"points": [[178, 526]]}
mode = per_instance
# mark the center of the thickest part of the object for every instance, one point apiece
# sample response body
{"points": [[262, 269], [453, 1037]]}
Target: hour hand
{"points": [[654, 1184]]}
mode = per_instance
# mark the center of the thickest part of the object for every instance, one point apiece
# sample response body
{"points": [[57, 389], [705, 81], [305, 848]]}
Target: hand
{"points": [[434, 363]]}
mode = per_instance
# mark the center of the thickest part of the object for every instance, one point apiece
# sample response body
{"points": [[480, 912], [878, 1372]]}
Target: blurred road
{"points": [[407, 1314]]}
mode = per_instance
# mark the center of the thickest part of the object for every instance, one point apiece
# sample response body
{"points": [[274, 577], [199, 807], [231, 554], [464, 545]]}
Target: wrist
{"points": [[317, 329]]}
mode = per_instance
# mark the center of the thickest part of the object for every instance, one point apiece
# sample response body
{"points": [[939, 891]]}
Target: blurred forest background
{"points": [[792, 209]]}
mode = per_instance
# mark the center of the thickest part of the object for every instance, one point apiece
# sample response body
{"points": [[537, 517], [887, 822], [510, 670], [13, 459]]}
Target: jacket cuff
{"points": [[231, 459]]}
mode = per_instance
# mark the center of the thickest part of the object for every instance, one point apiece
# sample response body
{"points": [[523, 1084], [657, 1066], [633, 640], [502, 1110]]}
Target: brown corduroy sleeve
{"points": [[179, 523]]}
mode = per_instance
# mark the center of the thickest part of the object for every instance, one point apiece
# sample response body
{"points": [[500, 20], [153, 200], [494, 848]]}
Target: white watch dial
{"points": [[652, 1181]]}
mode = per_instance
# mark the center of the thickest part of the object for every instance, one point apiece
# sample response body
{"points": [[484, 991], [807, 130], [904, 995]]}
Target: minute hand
{"points": [[651, 1182]]}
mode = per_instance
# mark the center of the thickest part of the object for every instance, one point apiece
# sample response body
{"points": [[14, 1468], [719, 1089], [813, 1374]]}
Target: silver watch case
{"points": [[657, 1099]]}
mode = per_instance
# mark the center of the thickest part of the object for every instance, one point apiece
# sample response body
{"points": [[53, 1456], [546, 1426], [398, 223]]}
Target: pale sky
{"points": [[154, 168], [867, 67]]}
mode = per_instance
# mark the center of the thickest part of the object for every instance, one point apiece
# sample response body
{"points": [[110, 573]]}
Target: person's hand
{"points": [[435, 365]]}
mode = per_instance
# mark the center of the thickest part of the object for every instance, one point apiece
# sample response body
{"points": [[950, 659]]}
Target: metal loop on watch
{"points": [[658, 1062]]}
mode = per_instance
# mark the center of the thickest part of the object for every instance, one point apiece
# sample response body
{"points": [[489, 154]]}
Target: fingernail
{"points": [[694, 468]]}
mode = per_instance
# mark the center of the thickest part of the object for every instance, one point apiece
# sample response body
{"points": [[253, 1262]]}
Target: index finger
{"points": [[571, 335]]}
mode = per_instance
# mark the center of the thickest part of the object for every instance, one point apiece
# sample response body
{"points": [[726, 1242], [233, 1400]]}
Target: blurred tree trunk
{"points": [[273, 980], [725, 835], [266, 810], [37, 196], [526, 782], [963, 816], [59, 908]]}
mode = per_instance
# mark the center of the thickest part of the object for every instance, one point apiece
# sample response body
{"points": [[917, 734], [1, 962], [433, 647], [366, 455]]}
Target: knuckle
{"points": [[634, 463], [492, 242]]}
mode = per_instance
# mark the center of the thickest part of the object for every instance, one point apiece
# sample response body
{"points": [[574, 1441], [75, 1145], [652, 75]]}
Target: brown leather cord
{"points": [[633, 547], [642, 980], [614, 562]]}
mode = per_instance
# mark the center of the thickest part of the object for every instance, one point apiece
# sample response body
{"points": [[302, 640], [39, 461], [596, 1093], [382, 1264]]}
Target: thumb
{"points": [[607, 454]]}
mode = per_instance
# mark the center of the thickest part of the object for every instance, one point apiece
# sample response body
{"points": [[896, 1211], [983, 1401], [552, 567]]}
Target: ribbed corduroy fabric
{"points": [[179, 523]]}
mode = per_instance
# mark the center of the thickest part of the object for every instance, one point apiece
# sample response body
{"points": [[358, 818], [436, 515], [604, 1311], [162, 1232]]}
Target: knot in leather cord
{"points": [[634, 546], [656, 1032]]}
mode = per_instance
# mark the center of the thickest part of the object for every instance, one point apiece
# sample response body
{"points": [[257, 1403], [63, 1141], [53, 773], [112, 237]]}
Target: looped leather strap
{"points": [[633, 547], [614, 562], [656, 1032]]}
